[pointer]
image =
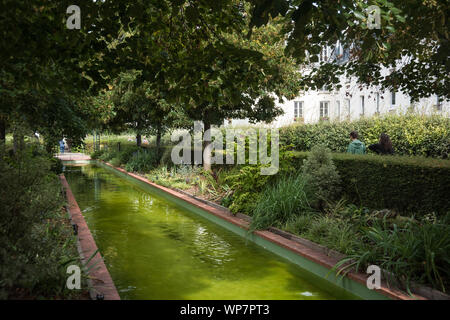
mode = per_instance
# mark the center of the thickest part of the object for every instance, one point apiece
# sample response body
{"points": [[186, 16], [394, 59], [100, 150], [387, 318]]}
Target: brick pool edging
{"points": [[309, 253], [100, 279]]}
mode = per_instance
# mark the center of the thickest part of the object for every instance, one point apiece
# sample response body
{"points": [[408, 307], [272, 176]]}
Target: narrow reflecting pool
{"points": [[155, 249]]}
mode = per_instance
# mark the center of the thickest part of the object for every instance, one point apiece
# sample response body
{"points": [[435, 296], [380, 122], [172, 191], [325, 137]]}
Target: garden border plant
{"points": [[37, 239]]}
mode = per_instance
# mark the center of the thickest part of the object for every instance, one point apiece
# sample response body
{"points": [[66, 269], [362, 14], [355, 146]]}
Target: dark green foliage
{"points": [[246, 182], [408, 28], [36, 239], [137, 159], [410, 134], [336, 228], [142, 161], [115, 162], [227, 201], [56, 165], [166, 157], [119, 157], [419, 251], [407, 184], [280, 202], [108, 155], [411, 249], [37, 151], [125, 155], [321, 176], [334, 233], [96, 154], [298, 224]]}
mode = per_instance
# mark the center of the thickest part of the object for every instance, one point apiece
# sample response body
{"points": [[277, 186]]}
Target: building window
{"points": [[324, 109], [338, 109], [393, 98], [362, 105], [324, 54], [298, 109], [345, 54]]}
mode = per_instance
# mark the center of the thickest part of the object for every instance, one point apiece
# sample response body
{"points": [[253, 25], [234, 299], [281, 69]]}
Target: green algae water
{"points": [[156, 249]]}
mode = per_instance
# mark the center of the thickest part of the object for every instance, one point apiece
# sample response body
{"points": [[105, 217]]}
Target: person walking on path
{"points": [[356, 146], [61, 146]]}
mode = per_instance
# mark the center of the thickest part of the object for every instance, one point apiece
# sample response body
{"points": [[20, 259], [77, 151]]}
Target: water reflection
{"points": [[155, 249]]}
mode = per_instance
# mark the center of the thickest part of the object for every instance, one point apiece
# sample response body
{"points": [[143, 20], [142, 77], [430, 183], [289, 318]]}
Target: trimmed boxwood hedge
{"points": [[407, 184], [411, 134]]}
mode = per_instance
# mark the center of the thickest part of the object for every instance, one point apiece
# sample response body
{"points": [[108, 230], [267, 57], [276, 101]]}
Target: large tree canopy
{"points": [[195, 55], [132, 103], [46, 69], [214, 59], [413, 41]]}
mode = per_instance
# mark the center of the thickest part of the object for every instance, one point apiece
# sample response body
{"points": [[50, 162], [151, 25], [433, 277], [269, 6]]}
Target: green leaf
{"points": [[391, 28], [360, 15]]}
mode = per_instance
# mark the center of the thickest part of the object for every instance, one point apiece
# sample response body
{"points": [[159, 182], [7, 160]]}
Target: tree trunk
{"points": [[69, 145], [138, 139], [49, 146], [158, 141], [2, 132], [18, 142], [207, 147]]}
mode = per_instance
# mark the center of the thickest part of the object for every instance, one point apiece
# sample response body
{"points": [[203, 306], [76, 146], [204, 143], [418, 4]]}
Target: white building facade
{"points": [[350, 102]]}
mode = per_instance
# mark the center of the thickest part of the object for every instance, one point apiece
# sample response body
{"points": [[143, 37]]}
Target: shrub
{"points": [[108, 155], [410, 134], [96, 154], [166, 157], [36, 240], [299, 224], [420, 252], [116, 157], [142, 161], [407, 184], [281, 201], [56, 165], [334, 233], [125, 155], [321, 176], [246, 183], [115, 162]]}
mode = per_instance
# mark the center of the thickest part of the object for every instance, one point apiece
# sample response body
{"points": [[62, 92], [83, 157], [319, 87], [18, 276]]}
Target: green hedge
{"points": [[407, 184], [410, 134]]}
